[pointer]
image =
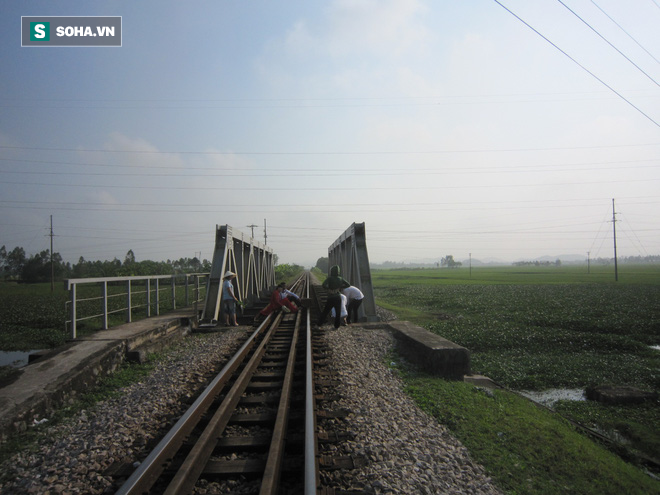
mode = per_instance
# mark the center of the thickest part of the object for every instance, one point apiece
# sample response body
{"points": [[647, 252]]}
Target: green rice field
{"points": [[543, 328]]}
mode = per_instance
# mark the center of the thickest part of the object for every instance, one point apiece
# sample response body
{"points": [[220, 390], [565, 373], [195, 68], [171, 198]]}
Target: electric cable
{"points": [[338, 153], [579, 64], [626, 32], [607, 41]]}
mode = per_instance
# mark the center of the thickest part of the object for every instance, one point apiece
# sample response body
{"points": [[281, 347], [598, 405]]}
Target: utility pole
{"points": [[52, 266], [588, 262], [616, 268], [265, 233], [470, 265], [252, 227]]}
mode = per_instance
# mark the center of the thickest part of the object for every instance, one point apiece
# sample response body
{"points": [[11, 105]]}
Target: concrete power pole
{"points": [[616, 267], [252, 227], [52, 266]]}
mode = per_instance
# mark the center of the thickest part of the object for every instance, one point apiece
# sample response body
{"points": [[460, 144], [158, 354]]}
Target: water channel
{"points": [[15, 359], [550, 396]]}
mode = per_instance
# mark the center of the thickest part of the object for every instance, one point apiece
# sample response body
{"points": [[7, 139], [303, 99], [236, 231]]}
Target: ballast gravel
{"points": [[117, 431], [406, 451]]}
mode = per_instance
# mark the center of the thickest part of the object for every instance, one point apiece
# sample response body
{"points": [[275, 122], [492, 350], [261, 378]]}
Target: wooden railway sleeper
{"points": [[340, 413], [185, 479], [333, 463]]}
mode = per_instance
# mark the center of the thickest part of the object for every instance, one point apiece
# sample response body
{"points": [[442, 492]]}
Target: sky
{"points": [[492, 129]]}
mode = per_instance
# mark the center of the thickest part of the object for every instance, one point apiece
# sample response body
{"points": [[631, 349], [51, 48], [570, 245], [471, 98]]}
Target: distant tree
{"points": [[286, 272], [449, 262], [14, 261], [3, 260], [323, 264], [80, 269], [38, 269], [129, 259]]}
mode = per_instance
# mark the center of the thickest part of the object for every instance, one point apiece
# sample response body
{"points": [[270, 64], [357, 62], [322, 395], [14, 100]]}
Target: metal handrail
{"points": [[73, 284]]}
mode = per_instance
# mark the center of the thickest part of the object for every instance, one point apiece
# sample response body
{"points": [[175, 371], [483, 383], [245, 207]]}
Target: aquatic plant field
{"points": [[539, 328], [529, 334]]}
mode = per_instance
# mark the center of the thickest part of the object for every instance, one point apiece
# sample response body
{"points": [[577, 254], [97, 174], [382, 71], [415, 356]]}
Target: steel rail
{"points": [[155, 463], [185, 479], [271, 477], [312, 476], [149, 473]]}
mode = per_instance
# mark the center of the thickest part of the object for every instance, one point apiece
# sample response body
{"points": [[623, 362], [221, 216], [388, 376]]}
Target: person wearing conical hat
{"points": [[229, 300]]}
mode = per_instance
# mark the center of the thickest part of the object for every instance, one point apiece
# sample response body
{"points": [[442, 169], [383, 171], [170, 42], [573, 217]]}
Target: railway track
{"points": [[254, 428]]}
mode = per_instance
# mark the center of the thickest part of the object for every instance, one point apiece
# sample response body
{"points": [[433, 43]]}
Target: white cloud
{"points": [[353, 48]]}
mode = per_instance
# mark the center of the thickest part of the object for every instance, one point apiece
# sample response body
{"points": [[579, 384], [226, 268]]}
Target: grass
{"points": [[525, 449], [535, 329], [32, 317]]}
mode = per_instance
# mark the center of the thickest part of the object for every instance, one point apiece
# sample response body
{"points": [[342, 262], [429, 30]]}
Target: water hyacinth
{"points": [[549, 335]]}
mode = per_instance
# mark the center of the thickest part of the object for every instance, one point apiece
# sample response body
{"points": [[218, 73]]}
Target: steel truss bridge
{"points": [[254, 266]]}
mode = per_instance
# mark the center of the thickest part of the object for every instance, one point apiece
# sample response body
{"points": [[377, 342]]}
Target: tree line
{"points": [[17, 266]]}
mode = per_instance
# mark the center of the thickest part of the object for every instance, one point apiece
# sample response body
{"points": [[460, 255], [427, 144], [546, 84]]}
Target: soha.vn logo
{"points": [[71, 31], [40, 31]]}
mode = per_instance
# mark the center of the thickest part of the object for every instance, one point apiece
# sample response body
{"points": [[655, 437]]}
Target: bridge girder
{"points": [[251, 261], [349, 251]]}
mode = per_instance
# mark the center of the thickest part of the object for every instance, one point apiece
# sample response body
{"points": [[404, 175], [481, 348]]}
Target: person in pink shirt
{"points": [[277, 300]]}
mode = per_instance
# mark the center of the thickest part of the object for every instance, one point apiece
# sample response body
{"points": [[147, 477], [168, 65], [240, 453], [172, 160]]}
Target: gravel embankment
{"points": [[117, 430], [407, 451]]}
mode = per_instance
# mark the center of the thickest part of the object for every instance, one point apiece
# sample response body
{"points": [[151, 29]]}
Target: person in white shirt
{"points": [[343, 313], [355, 297]]}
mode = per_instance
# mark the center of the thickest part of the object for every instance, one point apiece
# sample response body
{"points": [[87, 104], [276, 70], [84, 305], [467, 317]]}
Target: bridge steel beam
{"points": [[349, 251], [251, 261]]}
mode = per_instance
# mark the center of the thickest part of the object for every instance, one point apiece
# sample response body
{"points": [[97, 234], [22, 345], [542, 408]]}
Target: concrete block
{"points": [[612, 394], [431, 352]]}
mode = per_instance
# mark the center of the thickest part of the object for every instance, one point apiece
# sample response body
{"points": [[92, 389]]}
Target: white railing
{"points": [[102, 296]]}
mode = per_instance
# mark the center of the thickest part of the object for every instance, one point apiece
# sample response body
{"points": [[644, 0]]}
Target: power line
{"points": [[410, 171], [607, 41], [626, 32], [340, 153], [473, 205], [294, 188], [432, 99], [578, 64]]}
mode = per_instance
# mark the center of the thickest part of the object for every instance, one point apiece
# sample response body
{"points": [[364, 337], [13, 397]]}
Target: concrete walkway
{"points": [[54, 379]]}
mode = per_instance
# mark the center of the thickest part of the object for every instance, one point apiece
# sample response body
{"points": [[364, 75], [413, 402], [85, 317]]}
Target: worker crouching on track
{"points": [[291, 296], [333, 284], [344, 311], [278, 299], [355, 297]]}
